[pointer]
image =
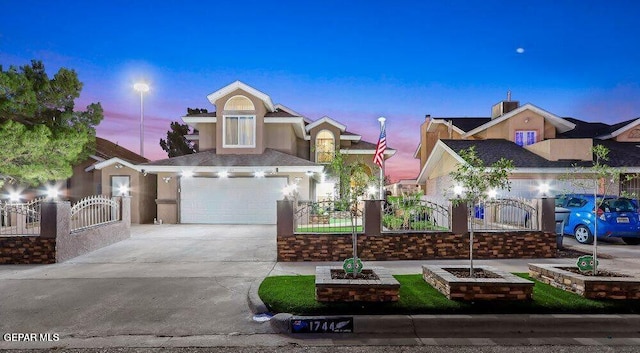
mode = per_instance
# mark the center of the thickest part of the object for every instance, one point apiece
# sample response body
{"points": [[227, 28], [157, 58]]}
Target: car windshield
{"points": [[618, 205]]}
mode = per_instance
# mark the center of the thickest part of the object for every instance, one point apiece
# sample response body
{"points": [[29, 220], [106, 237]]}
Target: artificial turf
{"points": [[296, 295]]}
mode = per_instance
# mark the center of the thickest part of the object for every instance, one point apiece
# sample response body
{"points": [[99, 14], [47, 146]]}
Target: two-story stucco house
{"points": [[543, 146], [249, 151]]}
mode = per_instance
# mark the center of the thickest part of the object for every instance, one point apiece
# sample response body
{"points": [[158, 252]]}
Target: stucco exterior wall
{"points": [[526, 120], [167, 198], [82, 183], [556, 149], [259, 112], [207, 136], [280, 137], [632, 135]]}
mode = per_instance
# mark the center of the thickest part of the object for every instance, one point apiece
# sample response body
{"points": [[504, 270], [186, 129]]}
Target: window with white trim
{"points": [[325, 146], [120, 185], [525, 137], [239, 103], [239, 131]]}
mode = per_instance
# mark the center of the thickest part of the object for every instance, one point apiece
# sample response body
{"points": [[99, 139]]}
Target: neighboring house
{"points": [[543, 147], [403, 187], [87, 180], [251, 152]]}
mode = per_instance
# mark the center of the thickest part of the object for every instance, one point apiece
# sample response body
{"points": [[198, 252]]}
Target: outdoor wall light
{"points": [[123, 190], [543, 188], [309, 173], [186, 174], [52, 192], [119, 166], [223, 174], [166, 179], [258, 174], [14, 196]]}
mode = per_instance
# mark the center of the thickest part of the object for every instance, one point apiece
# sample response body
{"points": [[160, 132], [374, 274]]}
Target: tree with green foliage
{"points": [[353, 182], [176, 143], [475, 180], [602, 179], [41, 132]]}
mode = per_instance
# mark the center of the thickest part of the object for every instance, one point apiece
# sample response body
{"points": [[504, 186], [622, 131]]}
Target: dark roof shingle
{"points": [[106, 149]]}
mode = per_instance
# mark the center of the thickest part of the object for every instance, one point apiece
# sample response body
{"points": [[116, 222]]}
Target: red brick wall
{"points": [[27, 250], [416, 246]]}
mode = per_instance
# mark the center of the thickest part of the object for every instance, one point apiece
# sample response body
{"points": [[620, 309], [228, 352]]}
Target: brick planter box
{"points": [[592, 287], [507, 287], [384, 289]]}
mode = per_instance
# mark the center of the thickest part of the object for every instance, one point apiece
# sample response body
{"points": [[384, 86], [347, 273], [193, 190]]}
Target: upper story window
{"points": [[239, 131], [525, 137], [325, 146], [239, 103]]}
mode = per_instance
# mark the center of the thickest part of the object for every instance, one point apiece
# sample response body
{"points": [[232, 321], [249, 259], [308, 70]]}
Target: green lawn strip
{"points": [[328, 229], [296, 295]]}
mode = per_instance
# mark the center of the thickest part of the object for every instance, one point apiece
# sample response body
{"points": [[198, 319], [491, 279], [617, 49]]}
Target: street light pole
{"points": [[142, 88]]}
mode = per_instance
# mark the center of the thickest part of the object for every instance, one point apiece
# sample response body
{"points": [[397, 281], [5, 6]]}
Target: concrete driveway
{"points": [[167, 280]]}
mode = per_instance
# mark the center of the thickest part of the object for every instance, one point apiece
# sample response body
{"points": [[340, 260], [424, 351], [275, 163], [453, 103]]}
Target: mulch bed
{"points": [[364, 275], [568, 253], [601, 273], [477, 273]]}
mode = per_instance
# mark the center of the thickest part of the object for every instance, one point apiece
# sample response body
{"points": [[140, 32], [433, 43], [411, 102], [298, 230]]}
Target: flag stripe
{"points": [[378, 157]]}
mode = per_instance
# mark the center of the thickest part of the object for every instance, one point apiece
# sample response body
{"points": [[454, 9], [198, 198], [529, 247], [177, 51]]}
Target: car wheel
{"points": [[583, 235], [631, 241]]}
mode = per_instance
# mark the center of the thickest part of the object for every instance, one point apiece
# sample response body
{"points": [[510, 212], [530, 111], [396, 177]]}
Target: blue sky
{"points": [[350, 60]]}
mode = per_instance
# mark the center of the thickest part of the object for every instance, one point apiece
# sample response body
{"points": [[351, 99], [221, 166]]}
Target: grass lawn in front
{"points": [[296, 295]]}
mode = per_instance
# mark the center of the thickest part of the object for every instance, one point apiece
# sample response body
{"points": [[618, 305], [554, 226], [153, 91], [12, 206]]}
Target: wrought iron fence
{"points": [[20, 218], [94, 210], [414, 214], [333, 216], [505, 214]]}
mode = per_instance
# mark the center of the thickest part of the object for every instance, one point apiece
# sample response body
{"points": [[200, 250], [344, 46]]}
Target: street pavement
{"points": [[188, 286]]}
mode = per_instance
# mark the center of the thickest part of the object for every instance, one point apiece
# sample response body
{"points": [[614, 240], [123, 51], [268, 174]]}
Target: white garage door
{"points": [[230, 200]]}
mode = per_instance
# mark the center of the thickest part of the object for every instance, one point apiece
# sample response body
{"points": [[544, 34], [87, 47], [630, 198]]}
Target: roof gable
{"points": [[621, 128], [560, 124], [327, 120], [238, 85]]}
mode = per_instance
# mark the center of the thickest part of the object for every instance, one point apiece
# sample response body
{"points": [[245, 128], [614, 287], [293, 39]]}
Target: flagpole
{"points": [[382, 194]]}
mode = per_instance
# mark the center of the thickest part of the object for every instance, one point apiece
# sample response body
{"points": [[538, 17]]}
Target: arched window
{"points": [[239, 129], [239, 103], [325, 146]]}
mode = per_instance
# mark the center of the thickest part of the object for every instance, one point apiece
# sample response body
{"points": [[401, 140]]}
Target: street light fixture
{"points": [[142, 88]]}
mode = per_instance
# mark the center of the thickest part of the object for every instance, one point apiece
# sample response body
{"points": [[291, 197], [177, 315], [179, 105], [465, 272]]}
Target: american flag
{"points": [[378, 158]]}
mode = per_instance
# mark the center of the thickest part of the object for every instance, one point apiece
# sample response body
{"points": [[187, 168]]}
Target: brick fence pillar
{"points": [[284, 220], [55, 219], [459, 219], [372, 217]]}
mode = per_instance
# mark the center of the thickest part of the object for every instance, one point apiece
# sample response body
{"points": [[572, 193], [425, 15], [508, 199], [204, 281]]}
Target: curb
{"points": [[256, 304], [452, 326]]}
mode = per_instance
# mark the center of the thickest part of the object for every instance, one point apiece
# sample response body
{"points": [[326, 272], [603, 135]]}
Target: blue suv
{"points": [[617, 217]]}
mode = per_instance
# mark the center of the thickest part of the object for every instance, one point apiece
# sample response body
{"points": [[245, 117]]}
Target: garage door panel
{"points": [[230, 200]]}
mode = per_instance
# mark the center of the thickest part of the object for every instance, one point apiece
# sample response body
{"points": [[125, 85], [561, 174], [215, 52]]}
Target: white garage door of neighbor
{"points": [[230, 200]]}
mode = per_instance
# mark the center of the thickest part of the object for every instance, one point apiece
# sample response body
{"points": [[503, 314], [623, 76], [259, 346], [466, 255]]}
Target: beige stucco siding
{"points": [[207, 136], [280, 137], [632, 135], [526, 120]]}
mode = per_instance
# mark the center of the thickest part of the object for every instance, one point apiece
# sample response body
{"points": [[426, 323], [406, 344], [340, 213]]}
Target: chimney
{"points": [[504, 107], [427, 117]]}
